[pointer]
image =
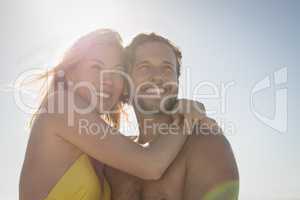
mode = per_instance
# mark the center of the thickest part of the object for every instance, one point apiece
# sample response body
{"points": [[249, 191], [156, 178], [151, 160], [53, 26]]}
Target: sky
{"points": [[240, 58]]}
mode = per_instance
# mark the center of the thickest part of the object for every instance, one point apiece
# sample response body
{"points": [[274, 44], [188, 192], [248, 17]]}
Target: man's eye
{"points": [[143, 67], [120, 69]]}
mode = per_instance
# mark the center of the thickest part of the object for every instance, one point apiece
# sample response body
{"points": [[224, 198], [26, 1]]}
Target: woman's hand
{"points": [[193, 116], [187, 113], [191, 108]]}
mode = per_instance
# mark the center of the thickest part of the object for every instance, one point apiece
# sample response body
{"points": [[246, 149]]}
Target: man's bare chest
{"points": [[169, 187]]}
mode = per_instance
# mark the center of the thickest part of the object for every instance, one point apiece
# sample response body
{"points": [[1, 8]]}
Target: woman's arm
{"points": [[93, 136]]}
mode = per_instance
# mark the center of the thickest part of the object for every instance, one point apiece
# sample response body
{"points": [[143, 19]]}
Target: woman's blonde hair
{"points": [[70, 59]]}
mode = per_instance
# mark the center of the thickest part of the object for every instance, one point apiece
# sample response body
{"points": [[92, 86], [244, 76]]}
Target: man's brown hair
{"points": [[143, 38]]}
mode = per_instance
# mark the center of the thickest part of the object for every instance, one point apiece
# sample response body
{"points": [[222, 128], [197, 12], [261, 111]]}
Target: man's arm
{"points": [[212, 172]]}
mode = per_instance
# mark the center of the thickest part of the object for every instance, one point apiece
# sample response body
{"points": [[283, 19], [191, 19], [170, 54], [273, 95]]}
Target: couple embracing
{"points": [[75, 150]]}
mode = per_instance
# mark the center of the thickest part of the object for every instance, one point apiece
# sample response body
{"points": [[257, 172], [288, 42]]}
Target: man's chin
{"points": [[147, 106], [104, 109], [154, 106]]}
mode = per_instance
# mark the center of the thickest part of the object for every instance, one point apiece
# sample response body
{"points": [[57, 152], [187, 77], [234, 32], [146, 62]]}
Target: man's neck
{"points": [[151, 126]]}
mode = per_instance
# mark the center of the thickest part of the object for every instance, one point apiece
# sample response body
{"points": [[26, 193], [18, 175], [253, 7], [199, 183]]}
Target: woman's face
{"points": [[98, 76]]}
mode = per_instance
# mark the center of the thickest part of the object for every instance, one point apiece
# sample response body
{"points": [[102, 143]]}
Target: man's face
{"points": [[154, 76]]}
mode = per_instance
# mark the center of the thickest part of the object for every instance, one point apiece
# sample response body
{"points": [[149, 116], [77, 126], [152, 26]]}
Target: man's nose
{"points": [[157, 79]]}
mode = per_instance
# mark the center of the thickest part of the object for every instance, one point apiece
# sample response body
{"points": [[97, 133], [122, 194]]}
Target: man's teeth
{"points": [[103, 94], [156, 91]]}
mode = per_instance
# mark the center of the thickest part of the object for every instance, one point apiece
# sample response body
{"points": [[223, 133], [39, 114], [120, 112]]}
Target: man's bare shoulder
{"points": [[210, 150], [210, 165]]}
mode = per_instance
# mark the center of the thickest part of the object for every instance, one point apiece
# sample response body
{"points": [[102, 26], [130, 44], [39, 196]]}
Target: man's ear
{"points": [[125, 95]]}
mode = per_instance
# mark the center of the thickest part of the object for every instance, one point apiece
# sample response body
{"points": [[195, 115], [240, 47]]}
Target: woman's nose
{"points": [[106, 82]]}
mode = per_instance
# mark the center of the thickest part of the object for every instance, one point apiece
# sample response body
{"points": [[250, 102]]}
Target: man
{"points": [[205, 168]]}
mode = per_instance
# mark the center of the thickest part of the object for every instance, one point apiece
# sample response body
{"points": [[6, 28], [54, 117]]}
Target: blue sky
{"points": [[223, 42]]}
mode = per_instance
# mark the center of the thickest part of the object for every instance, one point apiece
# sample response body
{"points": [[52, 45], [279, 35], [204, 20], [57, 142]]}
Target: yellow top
{"points": [[80, 182]]}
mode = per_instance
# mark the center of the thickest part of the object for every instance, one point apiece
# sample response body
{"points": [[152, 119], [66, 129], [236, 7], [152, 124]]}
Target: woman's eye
{"points": [[98, 67]]}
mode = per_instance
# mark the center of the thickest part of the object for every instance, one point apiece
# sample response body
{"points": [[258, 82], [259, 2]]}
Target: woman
{"points": [[57, 164]]}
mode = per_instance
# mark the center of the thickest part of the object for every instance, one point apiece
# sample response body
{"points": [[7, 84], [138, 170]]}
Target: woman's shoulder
{"points": [[51, 109]]}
